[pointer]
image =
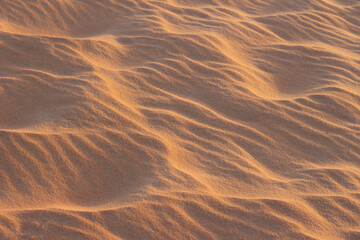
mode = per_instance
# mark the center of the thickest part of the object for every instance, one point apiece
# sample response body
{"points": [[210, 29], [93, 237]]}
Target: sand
{"points": [[179, 119]]}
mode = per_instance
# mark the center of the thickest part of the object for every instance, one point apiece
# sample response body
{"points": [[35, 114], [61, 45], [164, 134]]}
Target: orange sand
{"points": [[179, 119]]}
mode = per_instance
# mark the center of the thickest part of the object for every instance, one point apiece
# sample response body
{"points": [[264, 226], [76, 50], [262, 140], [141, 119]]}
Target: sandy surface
{"points": [[179, 119]]}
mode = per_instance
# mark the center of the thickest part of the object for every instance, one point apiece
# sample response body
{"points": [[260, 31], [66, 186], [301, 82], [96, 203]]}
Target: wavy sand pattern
{"points": [[179, 119]]}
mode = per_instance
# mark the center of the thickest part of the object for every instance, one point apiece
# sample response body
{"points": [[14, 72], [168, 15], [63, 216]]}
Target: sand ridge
{"points": [[178, 119]]}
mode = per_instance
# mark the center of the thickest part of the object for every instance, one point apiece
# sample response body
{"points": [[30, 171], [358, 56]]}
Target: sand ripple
{"points": [[178, 119]]}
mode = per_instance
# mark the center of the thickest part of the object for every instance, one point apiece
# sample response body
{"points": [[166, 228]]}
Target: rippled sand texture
{"points": [[179, 119]]}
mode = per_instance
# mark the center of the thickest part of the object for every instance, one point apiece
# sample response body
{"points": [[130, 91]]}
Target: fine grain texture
{"points": [[180, 119]]}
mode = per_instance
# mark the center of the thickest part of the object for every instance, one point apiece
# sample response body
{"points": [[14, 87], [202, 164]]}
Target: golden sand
{"points": [[179, 119]]}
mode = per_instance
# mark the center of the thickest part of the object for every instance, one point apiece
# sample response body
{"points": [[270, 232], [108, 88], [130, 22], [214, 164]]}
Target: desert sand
{"points": [[179, 119]]}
